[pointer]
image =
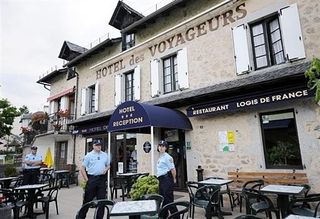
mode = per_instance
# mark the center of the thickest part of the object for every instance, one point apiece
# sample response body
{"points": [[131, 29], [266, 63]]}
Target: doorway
{"points": [[177, 149], [61, 155]]}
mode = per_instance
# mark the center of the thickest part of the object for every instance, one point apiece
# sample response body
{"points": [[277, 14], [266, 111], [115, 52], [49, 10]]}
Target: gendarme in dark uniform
{"points": [[94, 167], [166, 173]]}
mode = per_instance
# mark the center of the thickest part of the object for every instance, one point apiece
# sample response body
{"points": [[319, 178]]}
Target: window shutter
{"points": [[291, 33], [117, 90], [51, 107], [83, 101], [182, 59], [241, 49], [96, 97], [64, 103], [136, 81], [154, 66]]}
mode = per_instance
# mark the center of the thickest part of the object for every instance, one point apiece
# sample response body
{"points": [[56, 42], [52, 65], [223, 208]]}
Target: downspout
{"points": [[75, 115]]}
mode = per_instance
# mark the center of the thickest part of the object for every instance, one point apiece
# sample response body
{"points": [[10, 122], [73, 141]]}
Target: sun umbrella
{"points": [[48, 159]]}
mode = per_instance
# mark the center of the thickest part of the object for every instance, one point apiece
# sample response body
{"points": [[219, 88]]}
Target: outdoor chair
{"points": [[206, 197], [224, 190], [252, 184], [52, 196], [183, 209], [307, 206], [118, 183], [46, 178], [96, 204], [103, 203], [73, 177], [14, 200], [17, 182], [257, 202], [159, 200]]}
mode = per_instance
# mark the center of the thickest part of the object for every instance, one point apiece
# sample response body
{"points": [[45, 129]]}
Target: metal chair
{"points": [[252, 184], [303, 206], [103, 203], [159, 200], [118, 183], [206, 197], [52, 196], [92, 204], [14, 200], [224, 190], [257, 202], [183, 209]]}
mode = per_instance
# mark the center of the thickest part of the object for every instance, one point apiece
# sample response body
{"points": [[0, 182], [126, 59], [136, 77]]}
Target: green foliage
{"points": [[10, 170], [7, 115], [313, 75], [143, 186]]}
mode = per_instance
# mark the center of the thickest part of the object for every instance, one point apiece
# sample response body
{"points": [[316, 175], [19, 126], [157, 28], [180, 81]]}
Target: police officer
{"points": [[166, 173], [94, 167], [31, 171]]}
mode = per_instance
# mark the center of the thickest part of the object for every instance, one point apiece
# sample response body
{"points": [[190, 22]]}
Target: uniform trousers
{"points": [[96, 187], [31, 176], [166, 190]]}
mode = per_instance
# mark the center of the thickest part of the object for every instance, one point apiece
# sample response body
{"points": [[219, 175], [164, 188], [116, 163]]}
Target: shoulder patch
{"points": [[171, 160]]}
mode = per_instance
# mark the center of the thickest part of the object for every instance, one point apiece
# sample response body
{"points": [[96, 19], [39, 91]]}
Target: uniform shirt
{"points": [[165, 164], [33, 158], [95, 163]]}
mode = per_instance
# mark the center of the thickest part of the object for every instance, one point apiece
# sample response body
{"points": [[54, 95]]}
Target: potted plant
{"points": [[313, 75], [143, 186], [64, 113]]}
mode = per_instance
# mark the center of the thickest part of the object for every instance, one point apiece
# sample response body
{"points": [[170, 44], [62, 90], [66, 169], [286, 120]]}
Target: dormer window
{"points": [[128, 41]]}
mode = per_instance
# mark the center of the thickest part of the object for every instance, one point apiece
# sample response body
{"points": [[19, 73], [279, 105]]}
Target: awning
{"points": [[133, 115], [61, 94]]}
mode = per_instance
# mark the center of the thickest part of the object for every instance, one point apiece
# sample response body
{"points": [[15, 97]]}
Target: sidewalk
{"points": [[70, 201]]}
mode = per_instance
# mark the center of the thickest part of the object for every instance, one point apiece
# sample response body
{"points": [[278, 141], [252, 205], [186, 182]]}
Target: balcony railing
{"points": [[58, 121]]}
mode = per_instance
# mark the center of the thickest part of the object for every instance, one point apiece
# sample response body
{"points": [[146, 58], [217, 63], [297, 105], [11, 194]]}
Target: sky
{"points": [[32, 33]]}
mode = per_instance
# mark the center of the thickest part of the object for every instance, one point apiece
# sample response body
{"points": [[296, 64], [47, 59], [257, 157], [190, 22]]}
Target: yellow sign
{"points": [[231, 139]]}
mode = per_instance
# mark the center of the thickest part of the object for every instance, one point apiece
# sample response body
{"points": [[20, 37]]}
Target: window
{"points": [[92, 97], [267, 43], [128, 41], [129, 86], [170, 74], [274, 38], [280, 138]]}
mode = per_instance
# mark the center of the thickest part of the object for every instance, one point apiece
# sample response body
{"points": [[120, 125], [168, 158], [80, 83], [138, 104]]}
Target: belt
{"points": [[163, 176], [96, 176]]}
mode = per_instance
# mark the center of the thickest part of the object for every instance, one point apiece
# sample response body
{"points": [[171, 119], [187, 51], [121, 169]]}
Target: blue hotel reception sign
{"points": [[253, 101]]}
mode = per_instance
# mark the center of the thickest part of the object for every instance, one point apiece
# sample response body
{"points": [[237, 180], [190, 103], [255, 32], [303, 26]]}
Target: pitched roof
{"points": [[123, 16], [70, 50]]}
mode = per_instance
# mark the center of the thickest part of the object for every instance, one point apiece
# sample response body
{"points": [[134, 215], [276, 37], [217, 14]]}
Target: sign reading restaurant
{"points": [[248, 102]]}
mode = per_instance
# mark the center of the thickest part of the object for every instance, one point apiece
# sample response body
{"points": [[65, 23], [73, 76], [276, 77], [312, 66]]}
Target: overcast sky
{"points": [[32, 33]]}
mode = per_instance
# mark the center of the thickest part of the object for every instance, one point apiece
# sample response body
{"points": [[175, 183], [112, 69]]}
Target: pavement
{"points": [[70, 200]]}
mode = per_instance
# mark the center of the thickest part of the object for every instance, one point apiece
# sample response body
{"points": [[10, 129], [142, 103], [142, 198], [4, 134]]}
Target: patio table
{"points": [[6, 181], [283, 193], [218, 182], [61, 177], [134, 209], [31, 196], [292, 216]]}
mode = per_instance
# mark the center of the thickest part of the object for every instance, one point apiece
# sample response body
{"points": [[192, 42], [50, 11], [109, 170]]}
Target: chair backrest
{"points": [[91, 204], [46, 178], [307, 202], [158, 198], [254, 196], [192, 189], [53, 193], [182, 206], [103, 203], [254, 184], [119, 182]]}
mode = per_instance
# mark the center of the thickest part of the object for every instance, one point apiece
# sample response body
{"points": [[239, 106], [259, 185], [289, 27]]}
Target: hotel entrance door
{"points": [[177, 149]]}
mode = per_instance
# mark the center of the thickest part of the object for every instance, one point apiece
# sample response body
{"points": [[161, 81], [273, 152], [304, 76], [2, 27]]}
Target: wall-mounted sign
{"points": [[147, 147], [226, 141], [244, 102]]}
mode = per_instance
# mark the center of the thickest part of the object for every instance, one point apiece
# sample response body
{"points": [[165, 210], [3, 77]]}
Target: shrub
{"points": [[143, 186], [10, 170]]}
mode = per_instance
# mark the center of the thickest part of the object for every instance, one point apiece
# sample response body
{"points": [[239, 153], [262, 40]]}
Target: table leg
{"points": [[31, 194], [282, 202]]}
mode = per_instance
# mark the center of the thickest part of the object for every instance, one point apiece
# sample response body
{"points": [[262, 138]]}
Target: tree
{"points": [[313, 75], [7, 115]]}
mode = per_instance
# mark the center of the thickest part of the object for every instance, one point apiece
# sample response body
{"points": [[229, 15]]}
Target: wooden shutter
{"points": [[117, 90], [154, 70], [84, 98], [96, 97], [291, 33], [241, 49], [136, 82], [182, 59]]}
